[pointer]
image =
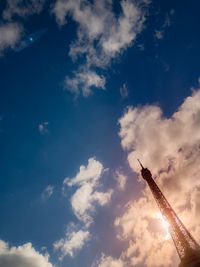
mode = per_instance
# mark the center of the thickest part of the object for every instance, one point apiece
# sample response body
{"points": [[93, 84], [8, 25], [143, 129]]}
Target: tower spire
{"points": [[140, 164], [186, 246]]}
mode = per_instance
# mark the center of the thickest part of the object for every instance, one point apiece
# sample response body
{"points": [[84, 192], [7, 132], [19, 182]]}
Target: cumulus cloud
{"points": [[87, 194], [22, 256], [101, 35], [48, 192], [10, 34], [22, 8], [170, 147], [73, 242]]}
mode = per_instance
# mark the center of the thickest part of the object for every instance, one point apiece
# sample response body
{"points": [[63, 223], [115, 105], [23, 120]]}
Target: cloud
{"points": [[168, 18], [124, 91], [83, 201], [170, 147], [22, 256], [158, 34], [11, 31], [10, 34], [48, 192], [121, 180], [108, 262], [22, 8], [101, 35], [84, 80], [43, 127], [73, 242], [87, 194]]}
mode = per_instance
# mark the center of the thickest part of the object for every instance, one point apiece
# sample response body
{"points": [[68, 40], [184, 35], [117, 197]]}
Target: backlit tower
{"points": [[187, 248]]}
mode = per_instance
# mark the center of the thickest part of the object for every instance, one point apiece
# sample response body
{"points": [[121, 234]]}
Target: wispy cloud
{"points": [[48, 192], [124, 91], [84, 79], [108, 262], [160, 32], [101, 35], [121, 179], [73, 242], [43, 127], [22, 8]]}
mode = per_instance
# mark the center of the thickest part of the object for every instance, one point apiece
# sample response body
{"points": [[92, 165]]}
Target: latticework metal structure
{"points": [[187, 248]]}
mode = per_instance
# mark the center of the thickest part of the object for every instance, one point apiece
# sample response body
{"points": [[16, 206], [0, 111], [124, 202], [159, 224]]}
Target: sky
{"points": [[86, 88]]}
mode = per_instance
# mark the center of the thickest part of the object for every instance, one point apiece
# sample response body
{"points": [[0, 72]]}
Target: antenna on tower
{"points": [[140, 164]]}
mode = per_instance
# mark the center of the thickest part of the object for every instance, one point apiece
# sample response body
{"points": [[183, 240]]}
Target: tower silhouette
{"points": [[186, 246]]}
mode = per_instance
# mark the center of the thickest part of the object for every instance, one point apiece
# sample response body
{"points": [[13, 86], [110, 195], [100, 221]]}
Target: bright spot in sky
{"points": [[31, 39], [164, 223]]}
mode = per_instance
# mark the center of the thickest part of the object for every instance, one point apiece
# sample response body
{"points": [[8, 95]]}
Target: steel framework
{"points": [[186, 246]]}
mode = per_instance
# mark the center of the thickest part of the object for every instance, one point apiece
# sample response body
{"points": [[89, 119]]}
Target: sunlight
{"points": [[165, 225]]}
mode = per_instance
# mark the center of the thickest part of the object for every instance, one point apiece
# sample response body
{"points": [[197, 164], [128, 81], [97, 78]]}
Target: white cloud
{"points": [[124, 91], [88, 181], [123, 31], [84, 80], [121, 179], [10, 34], [22, 256], [170, 148], [83, 202], [22, 8], [10, 30], [48, 192], [43, 127], [158, 34], [109, 262], [101, 35], [73, 242], [146, 238]]}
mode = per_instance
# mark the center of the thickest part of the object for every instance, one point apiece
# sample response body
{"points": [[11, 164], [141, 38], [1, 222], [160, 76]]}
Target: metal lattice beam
{"points": [[186, 246]]}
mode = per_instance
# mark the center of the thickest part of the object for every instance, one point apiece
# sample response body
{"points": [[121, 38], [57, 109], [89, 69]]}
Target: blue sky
{"points": [[95, 84]]}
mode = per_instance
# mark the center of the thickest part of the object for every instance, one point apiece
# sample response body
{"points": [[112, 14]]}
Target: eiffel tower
{"points": [[187, 248]]}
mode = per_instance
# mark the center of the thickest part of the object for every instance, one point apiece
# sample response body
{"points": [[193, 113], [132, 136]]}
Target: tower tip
{"points": [[140, 164]]}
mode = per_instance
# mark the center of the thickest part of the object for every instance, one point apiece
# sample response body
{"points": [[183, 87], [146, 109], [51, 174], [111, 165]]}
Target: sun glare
{"points": [[165, 225]]}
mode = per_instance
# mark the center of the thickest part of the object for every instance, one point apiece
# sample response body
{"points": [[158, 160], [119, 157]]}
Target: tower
{"points": [[186, 246]]}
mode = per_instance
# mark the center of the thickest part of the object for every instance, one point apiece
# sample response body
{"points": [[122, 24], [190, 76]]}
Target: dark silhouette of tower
{"points": [[187, 248]]}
